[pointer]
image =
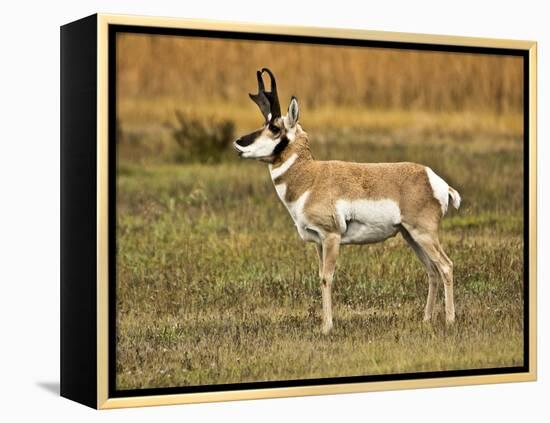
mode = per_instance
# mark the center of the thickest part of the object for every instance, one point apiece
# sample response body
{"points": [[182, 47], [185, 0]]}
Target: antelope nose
{"points": [[238, 142]]}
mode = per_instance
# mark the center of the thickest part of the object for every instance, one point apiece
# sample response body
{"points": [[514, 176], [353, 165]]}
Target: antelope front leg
{"points": [[330, 248], [319, 249]]}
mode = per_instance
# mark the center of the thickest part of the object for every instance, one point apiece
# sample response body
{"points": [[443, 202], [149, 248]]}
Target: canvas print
{"points": [[295, 212]]}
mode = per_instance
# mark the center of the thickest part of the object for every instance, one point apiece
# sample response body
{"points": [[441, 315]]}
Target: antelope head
{"points": [[277, 131]]}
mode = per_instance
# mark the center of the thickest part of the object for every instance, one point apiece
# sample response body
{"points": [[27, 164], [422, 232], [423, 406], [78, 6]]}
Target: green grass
{"points": [[215, 286]]}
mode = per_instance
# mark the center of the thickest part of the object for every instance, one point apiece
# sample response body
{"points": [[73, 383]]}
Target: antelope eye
{"points": [[274, 129]]}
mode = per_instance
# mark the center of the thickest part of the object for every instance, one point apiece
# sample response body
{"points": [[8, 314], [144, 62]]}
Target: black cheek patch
{"points": [[248, 139], [280, 146]]}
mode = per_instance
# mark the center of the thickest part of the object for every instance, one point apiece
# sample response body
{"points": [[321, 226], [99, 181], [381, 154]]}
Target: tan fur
{"points": [[327, 181]]}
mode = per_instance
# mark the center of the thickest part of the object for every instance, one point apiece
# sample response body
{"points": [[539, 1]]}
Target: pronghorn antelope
{"points": [[334, 202]]}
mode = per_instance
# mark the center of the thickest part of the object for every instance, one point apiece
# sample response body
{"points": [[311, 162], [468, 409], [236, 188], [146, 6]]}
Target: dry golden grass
{"points": [[158, 111], [194, 71]]}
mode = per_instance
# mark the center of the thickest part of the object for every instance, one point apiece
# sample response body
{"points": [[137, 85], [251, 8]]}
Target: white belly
{"points": [[360, 221], [367, 221]]}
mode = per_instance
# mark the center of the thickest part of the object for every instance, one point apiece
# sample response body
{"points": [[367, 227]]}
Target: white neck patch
{"points": [[281, 170]]}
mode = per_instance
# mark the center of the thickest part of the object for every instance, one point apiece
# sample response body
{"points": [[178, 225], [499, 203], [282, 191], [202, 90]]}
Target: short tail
{"points": [[455, 197]]}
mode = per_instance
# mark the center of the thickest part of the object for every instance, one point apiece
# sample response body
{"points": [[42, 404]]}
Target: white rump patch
{"points": [[281, 170], [455, 197], [367, 221], [440, 189]]}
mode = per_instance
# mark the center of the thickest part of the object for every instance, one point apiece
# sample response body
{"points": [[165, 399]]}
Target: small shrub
{"points": [[202, 140]]}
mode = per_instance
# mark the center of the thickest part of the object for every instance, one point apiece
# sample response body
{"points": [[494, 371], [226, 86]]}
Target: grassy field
{"points": [[215, 286]]}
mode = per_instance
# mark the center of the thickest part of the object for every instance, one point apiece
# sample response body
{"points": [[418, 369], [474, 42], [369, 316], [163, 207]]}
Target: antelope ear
{"points": [[291, 118]]}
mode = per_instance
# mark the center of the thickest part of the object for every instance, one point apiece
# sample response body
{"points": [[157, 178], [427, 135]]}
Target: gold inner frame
{"points": [[103, 401]]}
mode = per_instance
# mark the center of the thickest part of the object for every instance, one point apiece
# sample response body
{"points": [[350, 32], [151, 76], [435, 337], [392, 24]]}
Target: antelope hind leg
{"points": [[433, 275], [429, 243]]}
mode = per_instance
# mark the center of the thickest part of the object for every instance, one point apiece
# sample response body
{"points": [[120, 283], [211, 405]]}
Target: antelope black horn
{"points": [[261, 98], [272, 95], [261, 87]]}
